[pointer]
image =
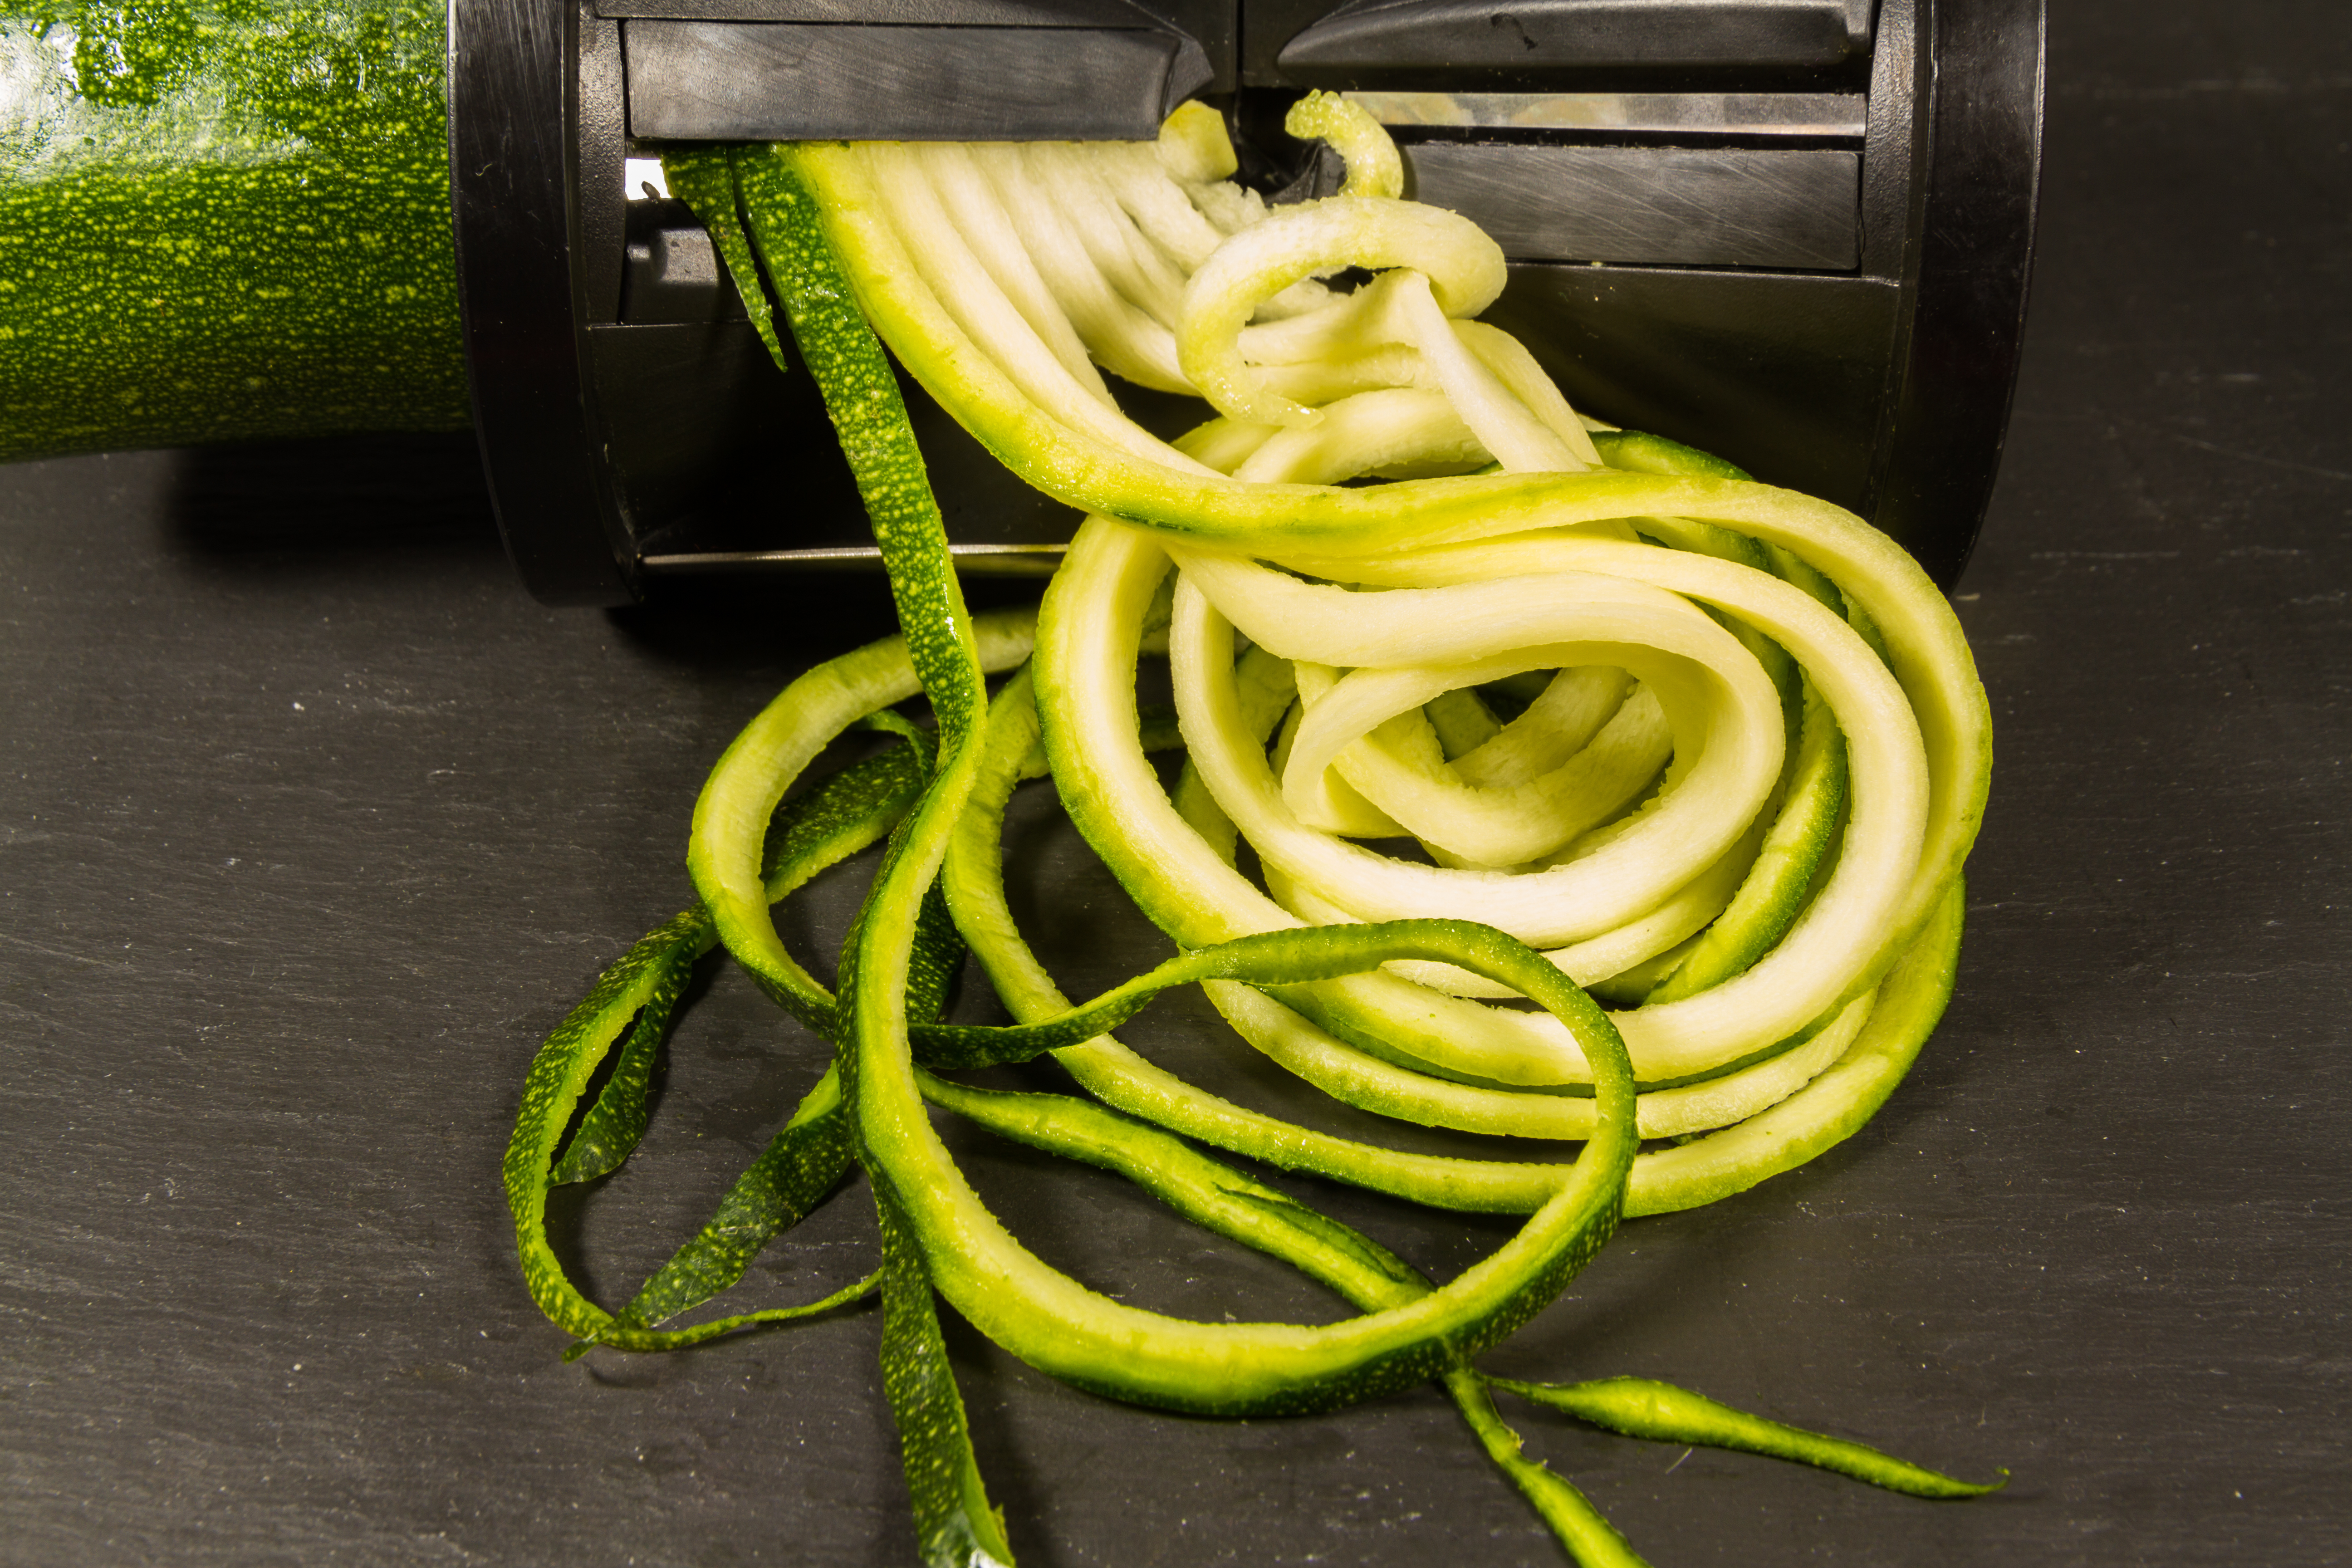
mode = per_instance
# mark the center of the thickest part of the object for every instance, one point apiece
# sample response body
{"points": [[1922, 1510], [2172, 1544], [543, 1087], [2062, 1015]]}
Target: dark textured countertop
{"points": [[311, 824]]}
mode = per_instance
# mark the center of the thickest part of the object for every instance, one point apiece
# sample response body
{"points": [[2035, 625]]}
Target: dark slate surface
{"points": [[310, 824]]}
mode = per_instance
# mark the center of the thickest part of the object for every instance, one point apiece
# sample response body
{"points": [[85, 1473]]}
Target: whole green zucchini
{"points": [[224, 220]]}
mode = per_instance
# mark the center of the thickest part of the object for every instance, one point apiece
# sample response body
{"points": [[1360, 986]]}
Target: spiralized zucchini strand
{"points": [[1716, 746]]}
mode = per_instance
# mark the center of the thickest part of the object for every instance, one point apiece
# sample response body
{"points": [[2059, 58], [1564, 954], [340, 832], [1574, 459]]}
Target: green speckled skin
{"points": [[224, 220]]}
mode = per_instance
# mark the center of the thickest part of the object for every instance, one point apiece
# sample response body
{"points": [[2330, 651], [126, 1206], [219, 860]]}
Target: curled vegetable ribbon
{"points": [[1718, 748]]}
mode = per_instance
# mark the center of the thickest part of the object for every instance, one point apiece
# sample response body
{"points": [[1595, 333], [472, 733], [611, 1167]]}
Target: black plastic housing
{"points": [[1796, 233]]}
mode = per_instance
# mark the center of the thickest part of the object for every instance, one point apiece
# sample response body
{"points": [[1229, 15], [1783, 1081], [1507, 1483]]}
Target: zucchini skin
{"points": [[227, 220]]}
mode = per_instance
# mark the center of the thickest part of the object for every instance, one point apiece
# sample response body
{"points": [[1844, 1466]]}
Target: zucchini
{"points": [[225, 222], [1756, 739]]}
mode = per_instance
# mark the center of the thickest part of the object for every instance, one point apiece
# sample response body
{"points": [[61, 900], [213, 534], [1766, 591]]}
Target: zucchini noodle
{"points": [[1515, 715]]}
